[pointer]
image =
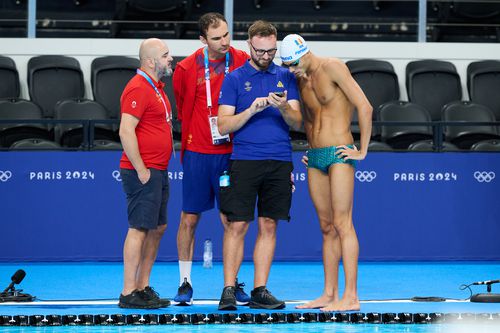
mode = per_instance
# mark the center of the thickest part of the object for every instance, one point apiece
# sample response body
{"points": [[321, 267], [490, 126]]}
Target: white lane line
{"points": [[196, 302]]}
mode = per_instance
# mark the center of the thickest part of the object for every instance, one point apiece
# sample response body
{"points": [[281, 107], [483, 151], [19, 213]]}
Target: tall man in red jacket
{"points": [[205, 153]]}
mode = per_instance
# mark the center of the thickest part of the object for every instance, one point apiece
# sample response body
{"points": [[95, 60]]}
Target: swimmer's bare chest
{"points": [[327, 111]]}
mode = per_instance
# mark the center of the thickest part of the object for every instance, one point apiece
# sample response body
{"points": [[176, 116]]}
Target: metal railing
{"points": [[89, 126]]}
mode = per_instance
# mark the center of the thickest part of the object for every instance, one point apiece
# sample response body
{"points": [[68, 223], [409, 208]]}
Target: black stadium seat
{"points": [[52, 78], [169, 91], [378, 146], [465, 136], [401, 136], [11, 109], [169, 88], [109, 76], [71, 134], [35, 144], [106, 145], [483, 82], [9, 78], [150, 10], [154, 6], [433, 84], [377, 78], [375, 146], [300, 145], [428, 145], [486, 145], [379, 82]]}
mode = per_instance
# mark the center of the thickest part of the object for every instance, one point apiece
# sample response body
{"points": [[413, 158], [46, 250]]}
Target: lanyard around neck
{"points": [[207, 77], [167, 111], [168, 114]]}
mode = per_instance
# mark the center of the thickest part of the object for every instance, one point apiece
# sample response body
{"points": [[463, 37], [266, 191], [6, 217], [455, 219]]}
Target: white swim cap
{"points": [[293, 47]]}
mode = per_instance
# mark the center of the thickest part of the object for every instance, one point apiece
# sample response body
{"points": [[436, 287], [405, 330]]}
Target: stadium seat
{"points": [[401, 136], [377, 79], [378, 146], [35, 144], [11, 109], [154, 6], [151, 10], [71, 134], [298, 134], [486, 145], [379, 82], [465, 21], [109, 76], [52, 78], [106, 145], [428, 145], [464, 136], [169, 91], [432, 84], [476, 12], [299, 145], [483, 83], [375, 146], [9, 78]]}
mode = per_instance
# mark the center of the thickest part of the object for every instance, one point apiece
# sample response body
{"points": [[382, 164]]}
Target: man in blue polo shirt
{"points": [[259, 102]]}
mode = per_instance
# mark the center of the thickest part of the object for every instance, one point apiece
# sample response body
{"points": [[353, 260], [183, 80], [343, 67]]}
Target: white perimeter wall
{"points": [[399, 54]]}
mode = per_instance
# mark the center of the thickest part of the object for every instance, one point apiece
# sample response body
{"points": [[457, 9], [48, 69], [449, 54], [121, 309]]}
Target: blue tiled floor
{"points": [[289, 281]]}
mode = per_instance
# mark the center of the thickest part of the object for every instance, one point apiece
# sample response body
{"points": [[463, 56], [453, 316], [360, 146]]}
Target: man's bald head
{"points": [[151, 48], [155, 58]]}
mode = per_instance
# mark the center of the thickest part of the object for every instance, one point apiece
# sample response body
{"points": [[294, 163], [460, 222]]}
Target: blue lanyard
{"points": [[144, 75], [207, 77], [167, 113]]}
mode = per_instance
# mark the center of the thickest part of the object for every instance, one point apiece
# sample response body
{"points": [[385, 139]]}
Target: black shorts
{"points": [[269, 180], [146, 203]]}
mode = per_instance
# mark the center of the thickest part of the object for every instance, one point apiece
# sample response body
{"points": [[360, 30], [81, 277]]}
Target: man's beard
{"points": [[162, 71], [257, 62]]}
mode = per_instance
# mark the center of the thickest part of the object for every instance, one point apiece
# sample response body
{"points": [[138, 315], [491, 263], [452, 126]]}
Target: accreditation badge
{"points": [[217, 139]]}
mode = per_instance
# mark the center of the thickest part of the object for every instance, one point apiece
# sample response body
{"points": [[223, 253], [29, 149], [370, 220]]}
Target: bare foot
{"points": [[319, 302], [342, 305]]}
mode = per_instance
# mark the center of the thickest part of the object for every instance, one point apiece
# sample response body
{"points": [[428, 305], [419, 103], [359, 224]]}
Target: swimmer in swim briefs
{"points": [[329, 95]]}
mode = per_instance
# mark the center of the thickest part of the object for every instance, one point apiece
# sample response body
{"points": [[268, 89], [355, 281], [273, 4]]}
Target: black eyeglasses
{"points": [[293, 64], [261, 52]]}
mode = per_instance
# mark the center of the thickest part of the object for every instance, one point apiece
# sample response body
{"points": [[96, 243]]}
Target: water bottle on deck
{"points": [[224, 180], [207, 254]]}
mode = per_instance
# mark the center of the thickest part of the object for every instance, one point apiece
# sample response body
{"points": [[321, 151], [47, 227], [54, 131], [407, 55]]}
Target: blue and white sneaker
{"points": [[184, 294], [241, 296]]}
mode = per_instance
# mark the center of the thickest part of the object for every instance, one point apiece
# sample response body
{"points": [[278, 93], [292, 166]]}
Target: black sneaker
{"points": [[184, 294], [228, 299], [137, 300], [242, 297], [153, 294], [262, 299]]}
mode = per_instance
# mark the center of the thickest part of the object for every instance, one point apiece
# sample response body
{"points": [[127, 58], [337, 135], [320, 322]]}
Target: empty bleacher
{"points": [[102, 59], [330, 20]]}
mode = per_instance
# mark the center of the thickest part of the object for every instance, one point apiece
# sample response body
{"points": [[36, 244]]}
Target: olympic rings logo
{"points": [[484, 176], [5, 175], [365, 176], [116, 175]]}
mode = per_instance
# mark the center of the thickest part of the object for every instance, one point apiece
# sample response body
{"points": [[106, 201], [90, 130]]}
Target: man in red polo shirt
{"points": [[146, 136], [205, 153]]}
